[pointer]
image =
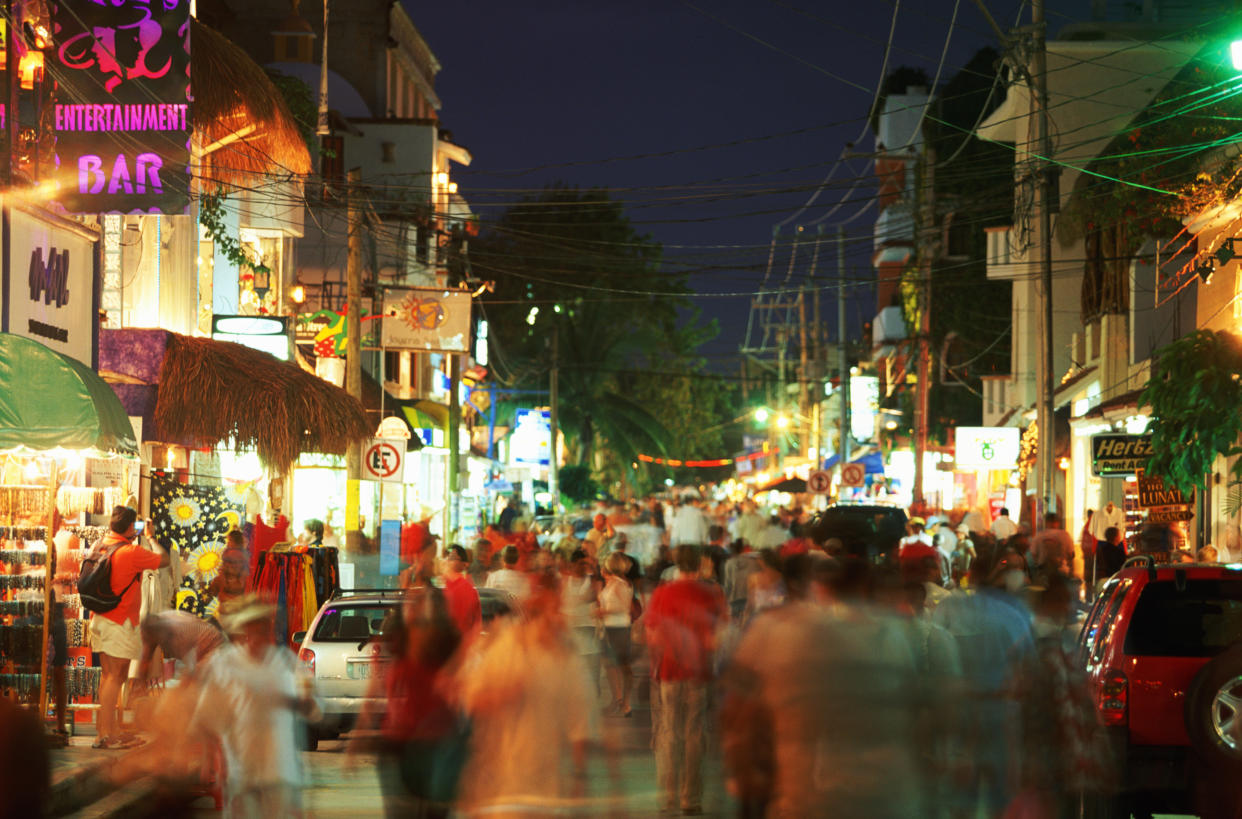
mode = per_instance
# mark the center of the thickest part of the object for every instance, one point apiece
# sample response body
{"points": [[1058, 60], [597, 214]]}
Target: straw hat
{"points": [[237, 613]]}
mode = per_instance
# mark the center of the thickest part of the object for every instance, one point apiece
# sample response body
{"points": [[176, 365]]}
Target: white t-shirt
{"points": [[1004, 528], [1103, 519], [247, 704], [514, 582]]}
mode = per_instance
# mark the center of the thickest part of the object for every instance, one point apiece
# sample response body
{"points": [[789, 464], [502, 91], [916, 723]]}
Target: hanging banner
{"points": [[427, 319], [531, 441], [122, 114]]}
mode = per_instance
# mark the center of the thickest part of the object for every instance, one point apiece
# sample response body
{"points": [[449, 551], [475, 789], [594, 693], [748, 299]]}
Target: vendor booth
{"points": [[61, 429]]}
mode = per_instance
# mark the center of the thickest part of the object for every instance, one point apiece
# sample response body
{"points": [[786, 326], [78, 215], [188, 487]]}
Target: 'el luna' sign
{"points": [[122, 114]]}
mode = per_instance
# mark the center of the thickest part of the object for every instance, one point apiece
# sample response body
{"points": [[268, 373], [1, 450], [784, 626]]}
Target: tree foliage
{"points": [[1195, 393], [574, 280]]}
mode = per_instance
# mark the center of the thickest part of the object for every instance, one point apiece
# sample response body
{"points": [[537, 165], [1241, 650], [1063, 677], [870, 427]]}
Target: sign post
{"points": [[819, 482], [383, 459]]}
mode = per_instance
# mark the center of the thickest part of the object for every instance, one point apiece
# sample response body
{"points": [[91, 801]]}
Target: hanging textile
{"points": [[292, 580], [264, 537], [192, 516]]}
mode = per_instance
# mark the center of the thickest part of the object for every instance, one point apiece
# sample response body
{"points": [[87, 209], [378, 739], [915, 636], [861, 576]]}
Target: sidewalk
{"points": [[82, 782]]}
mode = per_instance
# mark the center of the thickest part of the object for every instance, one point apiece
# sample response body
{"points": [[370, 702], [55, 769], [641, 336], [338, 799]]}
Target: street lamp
{"points": [[782, 422], [761, 415]]}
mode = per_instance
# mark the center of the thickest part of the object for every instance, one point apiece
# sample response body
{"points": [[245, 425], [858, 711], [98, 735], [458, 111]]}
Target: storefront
{"points": [[67, 452]]}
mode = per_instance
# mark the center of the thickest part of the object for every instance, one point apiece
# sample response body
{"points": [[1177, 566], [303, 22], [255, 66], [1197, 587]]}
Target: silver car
{"points": [[343, 650]]}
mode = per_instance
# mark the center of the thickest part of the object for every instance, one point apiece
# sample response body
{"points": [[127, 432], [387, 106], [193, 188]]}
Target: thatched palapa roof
{"points": [[236, 103], [217, 391]]}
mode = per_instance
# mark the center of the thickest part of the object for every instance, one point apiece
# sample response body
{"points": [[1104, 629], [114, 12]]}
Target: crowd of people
{"points": [[932, 678]]}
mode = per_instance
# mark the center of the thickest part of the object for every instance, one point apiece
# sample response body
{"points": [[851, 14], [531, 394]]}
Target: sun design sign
{"points": [[427, 319], [122, 115]]}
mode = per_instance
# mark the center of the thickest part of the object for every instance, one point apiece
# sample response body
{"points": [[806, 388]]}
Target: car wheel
{"points": [[1213, 711]]}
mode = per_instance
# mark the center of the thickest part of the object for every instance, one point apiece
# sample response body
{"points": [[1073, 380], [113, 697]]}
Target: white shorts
{"points": [[115, 640]]}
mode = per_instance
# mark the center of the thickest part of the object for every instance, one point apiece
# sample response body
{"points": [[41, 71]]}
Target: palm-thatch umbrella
{"points": [[217, 391], [245, 127]]}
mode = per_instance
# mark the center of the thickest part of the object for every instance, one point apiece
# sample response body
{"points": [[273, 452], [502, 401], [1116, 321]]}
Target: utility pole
{"points": [[554, 479], [922, 409], [353, 355], [1045, 417], [843, 359], [324, 127], [452, 483], [804, 381]]}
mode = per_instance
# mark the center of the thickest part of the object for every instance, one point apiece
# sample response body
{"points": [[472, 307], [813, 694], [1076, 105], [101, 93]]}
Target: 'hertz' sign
{"points": [[1119, 455]]}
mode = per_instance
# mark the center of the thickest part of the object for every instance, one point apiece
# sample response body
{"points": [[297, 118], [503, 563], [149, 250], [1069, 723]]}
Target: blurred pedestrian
{"points": [[459, 592], [1003, 527], [1110, 554], [963, 554], [528, 700], [741, 564], [507, 578], [422, 742], [599, 535], [254, 694], [1052, 550], [616, 602], [25, 765], [993, 634], [579, 593], [819, 712], [681, 625], [1064, 750], [766, 587]]}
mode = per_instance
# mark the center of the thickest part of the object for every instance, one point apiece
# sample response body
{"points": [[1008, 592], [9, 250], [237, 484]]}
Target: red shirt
{"points": [[795, 546], [463, 604], [414, 537], [128, 562], [682, 620], [416, 709]]}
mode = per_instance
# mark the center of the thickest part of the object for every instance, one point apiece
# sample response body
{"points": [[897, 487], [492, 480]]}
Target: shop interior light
{"points": [[297, 294]]}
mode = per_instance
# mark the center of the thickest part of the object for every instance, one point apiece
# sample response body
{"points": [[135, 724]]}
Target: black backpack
{"points": [[95, 583]]}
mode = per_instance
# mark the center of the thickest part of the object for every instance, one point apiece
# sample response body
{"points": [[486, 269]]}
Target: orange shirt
{"points": [[128, 562]]}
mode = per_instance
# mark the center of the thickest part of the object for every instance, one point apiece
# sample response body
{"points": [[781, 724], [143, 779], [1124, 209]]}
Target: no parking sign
{"points": [[383, 459]]}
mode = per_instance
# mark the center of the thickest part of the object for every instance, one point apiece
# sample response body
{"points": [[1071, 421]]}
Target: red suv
{"points": [[1161, 650]]}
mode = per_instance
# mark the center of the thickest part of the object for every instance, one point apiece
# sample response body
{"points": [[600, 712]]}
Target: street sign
{"points": [[819, 483], [1119, 455], [393, 427], [383, 460], [1164, 504], [853, 475]]}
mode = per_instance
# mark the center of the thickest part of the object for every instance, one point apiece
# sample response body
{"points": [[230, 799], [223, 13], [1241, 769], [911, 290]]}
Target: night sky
{"points": [[709, 135]]}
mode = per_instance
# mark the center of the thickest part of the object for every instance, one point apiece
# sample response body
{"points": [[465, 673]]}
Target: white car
{"points": [[343, 649]]}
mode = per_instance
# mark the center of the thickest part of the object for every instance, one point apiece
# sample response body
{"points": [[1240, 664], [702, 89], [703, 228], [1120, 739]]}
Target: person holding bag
{"points": [[616, 615], [109, 589]]}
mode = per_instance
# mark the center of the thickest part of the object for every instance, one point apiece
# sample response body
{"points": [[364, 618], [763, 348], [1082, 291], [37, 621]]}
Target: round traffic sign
{"points": [[382, 460], [853, 475], [819, 483]]}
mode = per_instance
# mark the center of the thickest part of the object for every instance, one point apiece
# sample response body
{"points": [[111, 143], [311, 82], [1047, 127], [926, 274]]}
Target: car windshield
{"points": [[352, 622], [1200, 620]]}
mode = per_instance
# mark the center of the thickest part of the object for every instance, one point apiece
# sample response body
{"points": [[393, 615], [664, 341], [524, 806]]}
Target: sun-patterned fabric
{"points": [[204, 562], [193, 516], [197, 519]]}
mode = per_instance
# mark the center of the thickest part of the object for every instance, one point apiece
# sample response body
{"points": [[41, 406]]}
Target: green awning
{"points": [[426, 415], [49, 400]]}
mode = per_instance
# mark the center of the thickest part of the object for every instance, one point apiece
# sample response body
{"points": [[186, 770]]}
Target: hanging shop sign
{"points": [[1164, 504], [987, 447], [267, 333], [531, 441], [1119, 455], [122, 116], [50, 295], [427, 319], [383, 459]]}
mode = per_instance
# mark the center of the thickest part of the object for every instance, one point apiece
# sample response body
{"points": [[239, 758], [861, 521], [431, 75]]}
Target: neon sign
{"points": [[122, 118]]}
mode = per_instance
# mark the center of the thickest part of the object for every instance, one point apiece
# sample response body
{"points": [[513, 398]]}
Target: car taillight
{"points": [[1113, 698], [308, 659]]}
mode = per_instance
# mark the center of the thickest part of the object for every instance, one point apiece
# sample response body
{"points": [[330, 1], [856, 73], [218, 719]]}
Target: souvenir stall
{"points": [[258, 414], [56, 412], [299, 580]]}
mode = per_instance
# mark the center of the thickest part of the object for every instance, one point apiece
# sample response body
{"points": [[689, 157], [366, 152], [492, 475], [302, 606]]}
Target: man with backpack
{"points": [[110, 590]]}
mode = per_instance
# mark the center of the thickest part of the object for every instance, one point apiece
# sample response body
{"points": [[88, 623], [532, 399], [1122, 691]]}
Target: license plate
{"points": [[363, 669]]}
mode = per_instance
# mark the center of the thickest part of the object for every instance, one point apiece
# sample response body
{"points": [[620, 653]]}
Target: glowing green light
{"points": [[761, 415], [1235, 54]]}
